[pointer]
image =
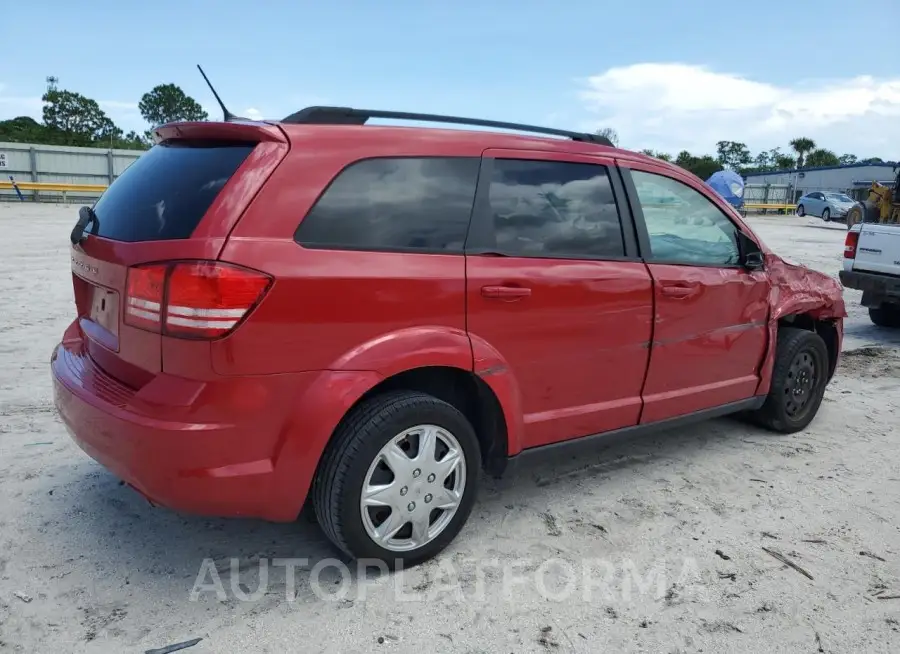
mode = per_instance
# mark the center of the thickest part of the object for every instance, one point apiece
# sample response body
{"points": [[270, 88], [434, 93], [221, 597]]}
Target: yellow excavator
{"points": [[882, 205]]}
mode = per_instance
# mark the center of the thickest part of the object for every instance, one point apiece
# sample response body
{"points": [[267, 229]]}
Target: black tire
{"points": [[886, 315], [797, 349], [826, 214], [356, 442], [801, 211], [863, 212], [855, 214]]}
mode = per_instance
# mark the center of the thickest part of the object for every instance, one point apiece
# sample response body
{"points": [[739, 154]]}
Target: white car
{"points": [[825, 205]]}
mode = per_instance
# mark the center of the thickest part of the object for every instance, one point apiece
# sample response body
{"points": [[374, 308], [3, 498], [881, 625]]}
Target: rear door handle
{"points": [[679, 291], [505, 292]]}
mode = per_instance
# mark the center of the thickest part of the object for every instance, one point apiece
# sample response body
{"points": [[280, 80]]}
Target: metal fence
{"points": [[25, 162], [767, 194]]}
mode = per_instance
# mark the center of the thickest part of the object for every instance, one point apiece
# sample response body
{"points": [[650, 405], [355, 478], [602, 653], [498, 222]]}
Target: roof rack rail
{"points": [[350, 116]]}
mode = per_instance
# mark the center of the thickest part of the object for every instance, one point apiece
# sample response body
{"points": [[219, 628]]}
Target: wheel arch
{"points": [[465, 391], [828, 328], [449, 364], [825, 328]]}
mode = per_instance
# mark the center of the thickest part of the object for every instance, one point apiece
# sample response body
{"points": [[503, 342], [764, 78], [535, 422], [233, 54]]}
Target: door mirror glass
{"points": [[751, 256]]}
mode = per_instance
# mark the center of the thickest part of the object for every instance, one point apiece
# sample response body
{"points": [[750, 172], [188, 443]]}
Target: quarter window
{"points": [[554, 209], [684, 226], [408, 204]]}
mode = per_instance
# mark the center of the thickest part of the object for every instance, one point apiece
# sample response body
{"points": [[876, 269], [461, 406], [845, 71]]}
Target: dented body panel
{"points": [[797, 290]]}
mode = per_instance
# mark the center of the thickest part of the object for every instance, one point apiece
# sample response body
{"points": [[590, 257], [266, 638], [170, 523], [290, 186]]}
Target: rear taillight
{"points": [[192, 299], [850, 245], [144, 297]]}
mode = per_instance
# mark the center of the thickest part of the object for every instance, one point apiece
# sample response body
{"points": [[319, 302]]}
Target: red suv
{"points": [[366, 317]]}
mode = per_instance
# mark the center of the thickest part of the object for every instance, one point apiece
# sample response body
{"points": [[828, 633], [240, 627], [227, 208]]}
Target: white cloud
{"points": [[253, 114], [672, 106]]}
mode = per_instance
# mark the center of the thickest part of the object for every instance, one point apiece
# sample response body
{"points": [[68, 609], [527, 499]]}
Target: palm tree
{"points": [[801, 146]]}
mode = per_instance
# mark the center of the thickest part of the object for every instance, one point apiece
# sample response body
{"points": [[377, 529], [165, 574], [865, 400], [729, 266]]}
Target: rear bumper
{"points": [[873, 283], [172, 452]]}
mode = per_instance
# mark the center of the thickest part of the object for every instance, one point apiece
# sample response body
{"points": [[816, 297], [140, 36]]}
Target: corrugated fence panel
{"points": [[27, 162]]}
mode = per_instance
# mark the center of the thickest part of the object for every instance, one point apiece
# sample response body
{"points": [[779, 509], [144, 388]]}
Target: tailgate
{"points": [[178, 201], [878, 249]]}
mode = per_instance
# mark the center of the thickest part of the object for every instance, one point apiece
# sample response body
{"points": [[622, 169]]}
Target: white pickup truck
{"points": [[872, 265]]}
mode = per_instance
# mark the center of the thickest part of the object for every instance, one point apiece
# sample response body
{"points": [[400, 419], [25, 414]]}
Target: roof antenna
{"points": [[229, 117]]}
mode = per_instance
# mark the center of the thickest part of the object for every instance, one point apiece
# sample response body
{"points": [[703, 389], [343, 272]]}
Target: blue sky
{"points": [[666, 75]]}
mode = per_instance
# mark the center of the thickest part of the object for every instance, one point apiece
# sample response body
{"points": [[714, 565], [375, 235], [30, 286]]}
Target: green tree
{"points": [[663, 156], [822, 157], [23, 129], [73, 119], [873, 160], [762, 162], [802, 146], [847, 159], [609, 133], [785, 162], [167, 103], [733, 154], [702, 167]]}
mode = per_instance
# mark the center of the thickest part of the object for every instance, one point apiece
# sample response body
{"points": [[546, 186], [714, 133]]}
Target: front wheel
{"points": [[826, 215], [399, 479], [798, 384]]}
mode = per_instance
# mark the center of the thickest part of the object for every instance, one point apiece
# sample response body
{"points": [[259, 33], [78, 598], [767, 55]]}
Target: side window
{"points": [[410, 204], [685, 226], [554, 209]]}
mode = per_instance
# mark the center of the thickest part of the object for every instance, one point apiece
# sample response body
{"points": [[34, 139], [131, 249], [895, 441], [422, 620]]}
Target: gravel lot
{"points": [[654, 545]]}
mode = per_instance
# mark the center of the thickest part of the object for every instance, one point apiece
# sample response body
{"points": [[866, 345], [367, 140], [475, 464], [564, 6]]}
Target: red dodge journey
{"points": [[366, 317]]}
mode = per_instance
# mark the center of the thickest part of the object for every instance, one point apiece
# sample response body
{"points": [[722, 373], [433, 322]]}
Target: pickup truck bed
{"points": [[872, 265]]}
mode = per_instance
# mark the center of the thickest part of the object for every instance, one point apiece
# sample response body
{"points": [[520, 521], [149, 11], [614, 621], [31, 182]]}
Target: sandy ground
{"points": [[651, 546]]}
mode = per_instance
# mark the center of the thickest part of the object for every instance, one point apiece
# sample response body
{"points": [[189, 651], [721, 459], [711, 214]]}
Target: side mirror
{"points": [[751, 257], [754, 261]]}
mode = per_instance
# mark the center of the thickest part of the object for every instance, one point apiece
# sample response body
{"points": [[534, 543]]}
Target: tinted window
{"points": [[164, 193], [551, 208], [684, 226], [395, 204]]}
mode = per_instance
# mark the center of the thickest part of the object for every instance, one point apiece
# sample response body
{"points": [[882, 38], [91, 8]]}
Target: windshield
{"points": [[839, 197]]}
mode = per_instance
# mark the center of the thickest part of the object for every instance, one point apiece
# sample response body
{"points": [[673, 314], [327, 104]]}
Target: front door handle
{"points": [[505, 292], [678, 291]]}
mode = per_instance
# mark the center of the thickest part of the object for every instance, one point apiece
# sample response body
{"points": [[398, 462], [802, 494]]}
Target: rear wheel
{"points": [[826, 214], [798, 384], [399, 479], [800, 210], [885, 315]]}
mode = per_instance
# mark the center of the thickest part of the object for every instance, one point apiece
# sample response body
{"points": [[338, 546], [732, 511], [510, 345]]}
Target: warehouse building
{"points": [[852, 179]]}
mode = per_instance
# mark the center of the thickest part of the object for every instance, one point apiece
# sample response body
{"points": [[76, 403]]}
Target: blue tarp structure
{"points": [[729, 185]]}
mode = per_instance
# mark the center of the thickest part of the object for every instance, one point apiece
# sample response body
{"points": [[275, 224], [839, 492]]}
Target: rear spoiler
{"points": [[228, 131]]}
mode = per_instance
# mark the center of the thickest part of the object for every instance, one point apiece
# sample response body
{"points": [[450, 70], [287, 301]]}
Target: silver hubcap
{"points": [[413, 488]]}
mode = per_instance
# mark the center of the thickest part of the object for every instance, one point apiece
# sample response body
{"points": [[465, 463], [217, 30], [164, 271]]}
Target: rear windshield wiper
{"points": [[86, 216]]}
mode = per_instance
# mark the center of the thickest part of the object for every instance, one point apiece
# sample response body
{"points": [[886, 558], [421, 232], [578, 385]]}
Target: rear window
{"points": [[164, 194]]}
